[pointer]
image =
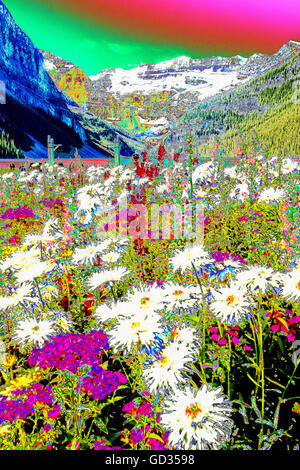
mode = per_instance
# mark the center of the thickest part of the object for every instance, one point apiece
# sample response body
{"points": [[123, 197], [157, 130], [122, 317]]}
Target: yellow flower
{"points": [[4, 429], [9, 361], [19, 382]]}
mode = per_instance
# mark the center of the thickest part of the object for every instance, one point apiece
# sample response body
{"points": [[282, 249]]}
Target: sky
{"points": [[99, 34]]}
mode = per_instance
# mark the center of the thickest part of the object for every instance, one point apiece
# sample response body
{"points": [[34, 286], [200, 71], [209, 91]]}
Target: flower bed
{"points": [[119, 334]]}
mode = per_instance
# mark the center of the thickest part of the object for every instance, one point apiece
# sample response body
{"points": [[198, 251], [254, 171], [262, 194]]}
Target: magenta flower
{"points": [[295, 320], [136, 435], [146, 409], [128, 407], [222, 341], [291, 337], [18, 213], [54, 413], [275, 328]]}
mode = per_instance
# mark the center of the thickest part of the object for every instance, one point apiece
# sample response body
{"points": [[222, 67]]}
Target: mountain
{"points": [[35, 107], [148, 100], [264, 105], [26, 81]]}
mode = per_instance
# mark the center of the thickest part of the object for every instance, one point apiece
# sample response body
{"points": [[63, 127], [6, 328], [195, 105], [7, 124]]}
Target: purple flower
{"points": [[47, 427], [101, 445], [128, 407], [54, 413], [136, 435], [11, 409], [17, 213], [70, 351], [146, 409], [51, 202]]}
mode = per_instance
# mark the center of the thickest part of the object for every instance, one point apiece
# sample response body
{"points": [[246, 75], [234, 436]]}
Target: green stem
{"points": [[113, 292], [204, 305], [38, 288]]}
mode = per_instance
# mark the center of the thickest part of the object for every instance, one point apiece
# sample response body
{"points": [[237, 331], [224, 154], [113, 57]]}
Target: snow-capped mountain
{"points": [[179, 75], [148, 99]]}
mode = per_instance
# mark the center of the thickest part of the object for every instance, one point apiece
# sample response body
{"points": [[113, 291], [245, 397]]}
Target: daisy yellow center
{"points": [[193, 410], [145, 300], [164, 360], [298, 285], [174, 334], [230, 299], [135, 325], [178, 292], [35, 329]]}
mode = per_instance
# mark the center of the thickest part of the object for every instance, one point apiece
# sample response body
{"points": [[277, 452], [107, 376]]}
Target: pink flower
{"points": [[54, 413], [129, 407], [295, 319], [222, 341], [290, 337], [215, 337], [235, 340], [214, 330], [247, 348], [275, 328]]}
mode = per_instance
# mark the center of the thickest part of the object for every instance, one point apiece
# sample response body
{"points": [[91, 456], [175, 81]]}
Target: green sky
{"points": [[91, 47]]}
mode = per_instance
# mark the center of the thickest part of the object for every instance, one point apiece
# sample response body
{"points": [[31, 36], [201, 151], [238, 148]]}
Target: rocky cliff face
{"points": [[25, 77]]}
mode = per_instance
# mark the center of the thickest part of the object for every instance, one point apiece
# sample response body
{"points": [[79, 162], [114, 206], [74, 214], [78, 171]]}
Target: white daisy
{"points": [[21, 259], [139, 330], [272, 194], [145, 298], [167, 371], [288, 166], [197, 419], [186, 335], [34, 270], [127, 175], [202, 171], [88, 254], [191, 255], [103, 312], [118, 242], [110, 257], [32, 331], [176, 296], [231, 304], [110, 275], [19, 295], [291, 287], [256, 277], [240, 192]]}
